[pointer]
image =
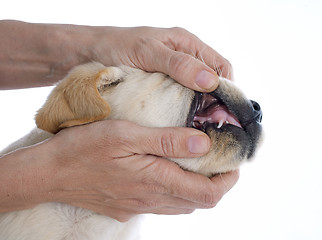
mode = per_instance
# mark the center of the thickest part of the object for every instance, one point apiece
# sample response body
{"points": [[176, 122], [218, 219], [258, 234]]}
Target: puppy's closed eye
{"points": [[112, 84]]}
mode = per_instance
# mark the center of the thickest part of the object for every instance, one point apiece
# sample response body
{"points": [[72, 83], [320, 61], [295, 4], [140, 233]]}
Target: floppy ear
{"points": [[75, 100]]}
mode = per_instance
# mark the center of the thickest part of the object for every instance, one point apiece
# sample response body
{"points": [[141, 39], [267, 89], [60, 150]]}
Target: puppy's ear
{"points": [[75, 100]]}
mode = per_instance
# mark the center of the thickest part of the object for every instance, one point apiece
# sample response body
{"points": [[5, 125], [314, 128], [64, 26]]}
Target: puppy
{"points": [[93, 92]]}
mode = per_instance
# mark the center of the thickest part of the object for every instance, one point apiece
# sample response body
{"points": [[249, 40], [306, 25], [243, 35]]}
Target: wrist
{"points": [[27, 176], [70, 45], [82, 44], [103, 44]]}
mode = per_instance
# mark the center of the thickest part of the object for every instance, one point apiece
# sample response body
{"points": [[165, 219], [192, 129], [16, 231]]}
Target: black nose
{"points": [[257, 111]]}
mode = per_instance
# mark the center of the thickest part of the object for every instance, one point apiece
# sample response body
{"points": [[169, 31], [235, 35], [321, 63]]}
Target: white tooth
{"points": [[221, 122]]}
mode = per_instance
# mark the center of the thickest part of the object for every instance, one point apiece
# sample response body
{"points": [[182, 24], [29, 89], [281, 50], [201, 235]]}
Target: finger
{"points": [[185, 69], [170, 142], [126, 138], [188, 43], [151, 202], [226, 181], [201, 190], [125, 213], [172, 211], [213, 59]]}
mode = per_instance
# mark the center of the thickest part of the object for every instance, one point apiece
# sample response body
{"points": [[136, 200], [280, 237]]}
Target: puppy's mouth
{"points": [[208, 111]]}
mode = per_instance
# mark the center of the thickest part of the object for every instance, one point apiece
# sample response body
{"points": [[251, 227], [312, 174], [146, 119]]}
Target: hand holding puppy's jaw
{"points": [[126, 157]]}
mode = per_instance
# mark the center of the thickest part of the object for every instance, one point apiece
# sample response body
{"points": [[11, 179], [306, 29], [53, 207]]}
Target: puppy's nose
{"points": [[257, 111]]}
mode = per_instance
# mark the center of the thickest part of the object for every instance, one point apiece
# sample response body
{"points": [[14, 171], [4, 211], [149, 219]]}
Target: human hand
{"points": [[51, 50], [175, 52], [116, 168]]}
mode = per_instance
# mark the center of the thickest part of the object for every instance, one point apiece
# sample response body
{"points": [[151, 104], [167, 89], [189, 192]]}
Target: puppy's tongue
{"points": [[219, 115]]}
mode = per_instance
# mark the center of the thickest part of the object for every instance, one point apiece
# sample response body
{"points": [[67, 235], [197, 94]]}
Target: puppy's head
{"points": [[93, 92]]}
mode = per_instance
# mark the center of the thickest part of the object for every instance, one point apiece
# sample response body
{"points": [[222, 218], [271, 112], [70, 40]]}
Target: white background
{"points": [[275, 49]]}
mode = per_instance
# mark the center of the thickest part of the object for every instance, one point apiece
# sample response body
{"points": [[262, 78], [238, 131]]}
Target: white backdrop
{"points": [[275, 49]]}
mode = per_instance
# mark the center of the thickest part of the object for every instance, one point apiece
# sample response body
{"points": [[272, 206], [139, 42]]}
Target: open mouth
{"points": [[210, 111]]}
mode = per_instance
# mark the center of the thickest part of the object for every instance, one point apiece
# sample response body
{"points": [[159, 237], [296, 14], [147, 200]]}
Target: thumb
{"points": [[171, 142]]}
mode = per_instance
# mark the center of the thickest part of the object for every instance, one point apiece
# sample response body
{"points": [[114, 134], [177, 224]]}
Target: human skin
{"points": [[35, 55], [116, 168], [111, 167]]}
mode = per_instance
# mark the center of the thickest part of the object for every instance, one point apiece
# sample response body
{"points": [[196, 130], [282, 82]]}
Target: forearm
{"points": [[26, 179], [33, 55]]}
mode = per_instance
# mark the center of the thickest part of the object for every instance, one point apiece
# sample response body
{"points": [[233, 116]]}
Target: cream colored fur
{"points": [[93, 92]]}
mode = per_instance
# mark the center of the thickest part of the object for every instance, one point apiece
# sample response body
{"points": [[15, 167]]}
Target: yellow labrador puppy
{"points": [[93, 92]]}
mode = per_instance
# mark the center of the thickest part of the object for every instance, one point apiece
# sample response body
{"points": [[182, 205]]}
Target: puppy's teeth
{"points": [[221, 122]]}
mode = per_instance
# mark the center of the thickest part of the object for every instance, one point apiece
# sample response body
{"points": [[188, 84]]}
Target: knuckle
{"points": [[179, 30], [115, 137], [211, 199], [179, 64], [169, 144], [142, 44], [123, 218], [186, 41], [188, 211], [119, 215], [229, 66], [143, 54]]}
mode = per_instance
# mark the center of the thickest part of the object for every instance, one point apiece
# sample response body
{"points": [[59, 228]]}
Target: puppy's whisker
{"points": [[217, 68], [214, 64], [202, 59], [229, 76], [220, 71], [199, 56], [194, 54], [223, 180]]}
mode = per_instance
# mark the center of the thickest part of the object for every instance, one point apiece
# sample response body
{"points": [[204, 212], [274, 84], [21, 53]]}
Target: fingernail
{"points": [[207, 80], [198, 144]]}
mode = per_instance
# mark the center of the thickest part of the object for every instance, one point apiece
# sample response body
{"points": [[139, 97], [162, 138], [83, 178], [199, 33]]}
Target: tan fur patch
{"points": [[75, 100]]}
